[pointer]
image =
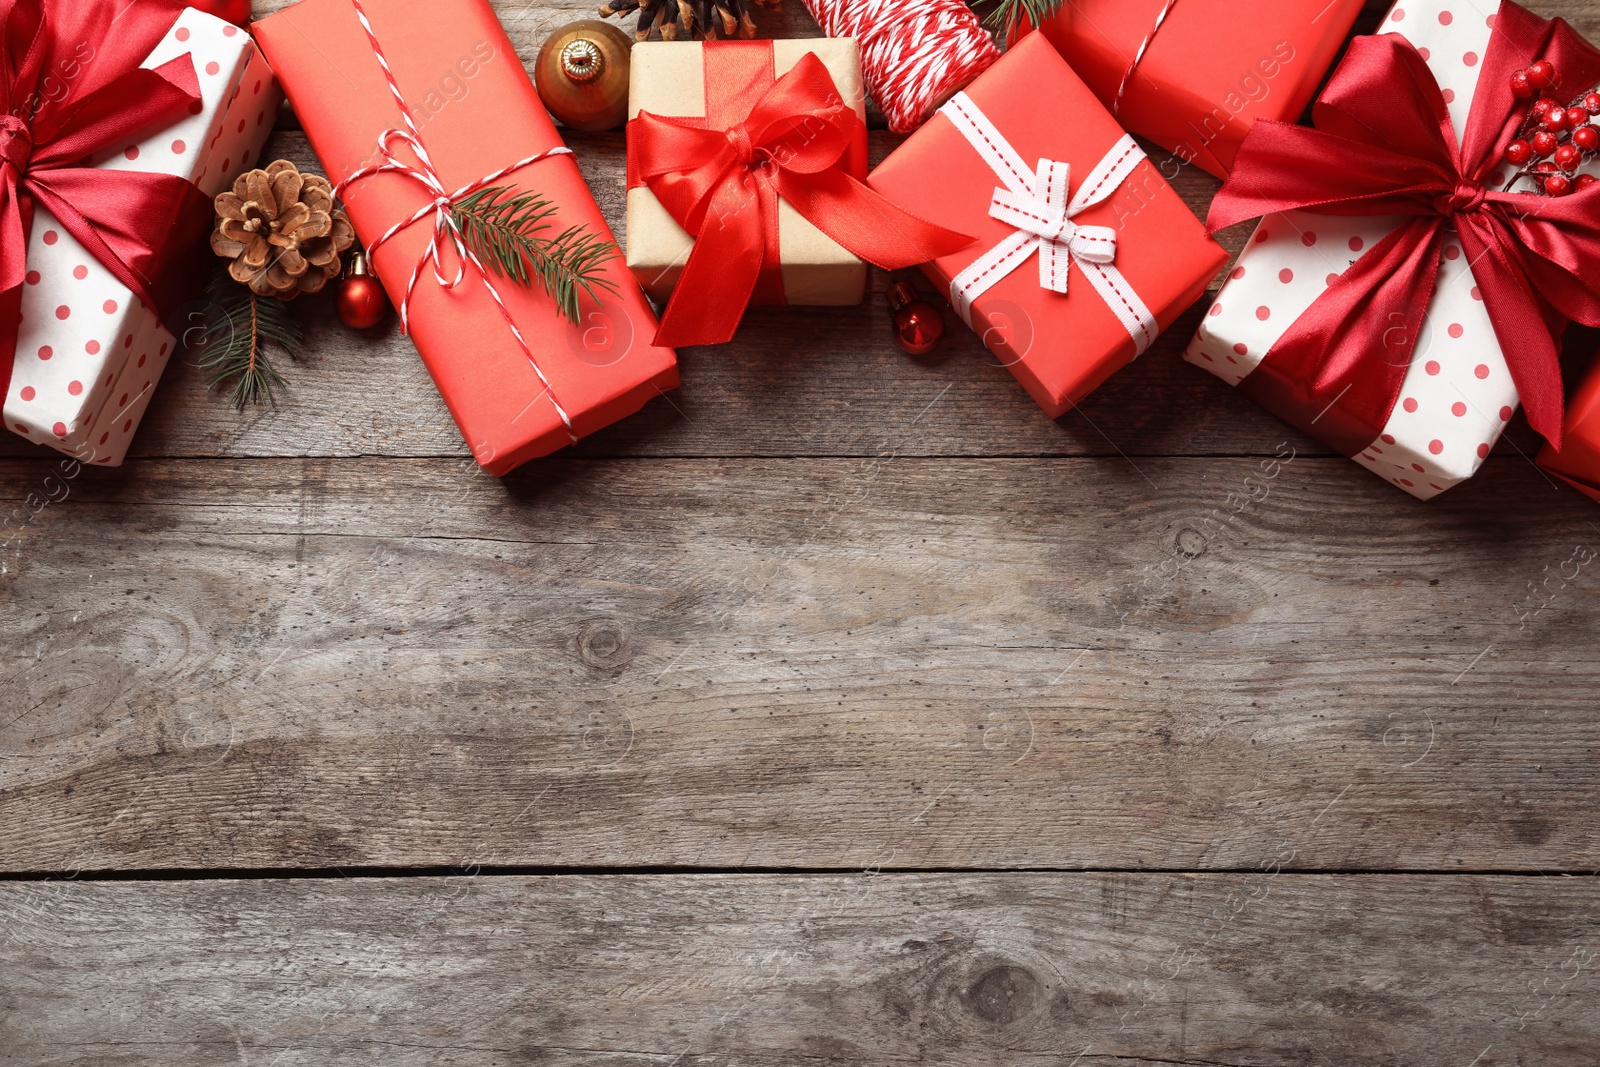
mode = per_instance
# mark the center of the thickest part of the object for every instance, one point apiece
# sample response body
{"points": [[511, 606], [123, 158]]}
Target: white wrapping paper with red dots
{"points": [[89, 352], [1457, 395]]}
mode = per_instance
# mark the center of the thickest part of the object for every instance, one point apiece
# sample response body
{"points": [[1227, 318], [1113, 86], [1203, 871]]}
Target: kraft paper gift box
{"points": [[477, 114], [668, 78], [89, 353], [1457, 395], [1059, 345], [1211, 69]]}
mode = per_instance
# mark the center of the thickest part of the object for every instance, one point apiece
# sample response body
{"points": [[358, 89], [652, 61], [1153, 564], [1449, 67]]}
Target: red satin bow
{"points": [[71, 86], [722, 185], [1384, 145]]}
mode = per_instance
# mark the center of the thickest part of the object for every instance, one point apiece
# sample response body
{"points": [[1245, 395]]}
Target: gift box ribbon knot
{"points": [[143, 227], [1384, 144], [1034, 201], [720, 177], [445, 230]]}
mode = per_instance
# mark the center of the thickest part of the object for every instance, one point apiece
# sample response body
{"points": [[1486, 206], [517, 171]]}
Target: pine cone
{"points": [[692, 20], [282, 231]]}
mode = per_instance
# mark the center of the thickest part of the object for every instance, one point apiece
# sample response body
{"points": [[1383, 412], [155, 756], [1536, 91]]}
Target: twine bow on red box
{"points": [[720, 177], [1384, 145], [71, 86]]}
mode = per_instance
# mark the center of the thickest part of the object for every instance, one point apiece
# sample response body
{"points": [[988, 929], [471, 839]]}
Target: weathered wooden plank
{"points": [[1068, 663], [1096, 970]]}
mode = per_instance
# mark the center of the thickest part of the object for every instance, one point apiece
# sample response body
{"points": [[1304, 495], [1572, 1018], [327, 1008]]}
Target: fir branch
{"points": [[235, 332], [506, 230], [1008, 15]]}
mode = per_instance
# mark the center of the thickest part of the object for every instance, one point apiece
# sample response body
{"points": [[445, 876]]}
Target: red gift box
{"points": [[519, 378], [1129, 253], [1578, 462], [1211, 68]]}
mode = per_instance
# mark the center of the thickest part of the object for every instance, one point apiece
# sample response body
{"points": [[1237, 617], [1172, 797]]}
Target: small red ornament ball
{"points": [[1568, 157], [1587, 138], [1555, 120], [362, 302], [1584, 181], [1543, 104], [234, 11], [918, 325], [1576, 117], [1518, 152], [1591, 103], [1521, 87], [1543, 143], [1541, 74], [1558, 185]]}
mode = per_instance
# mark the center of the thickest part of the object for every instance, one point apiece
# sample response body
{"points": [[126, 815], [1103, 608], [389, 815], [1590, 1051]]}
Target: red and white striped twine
{"points": [[912, 56], [1127, 78], [445, 229]]}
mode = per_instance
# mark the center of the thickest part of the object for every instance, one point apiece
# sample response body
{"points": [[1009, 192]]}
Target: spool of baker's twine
{"points": [[913, 57]]}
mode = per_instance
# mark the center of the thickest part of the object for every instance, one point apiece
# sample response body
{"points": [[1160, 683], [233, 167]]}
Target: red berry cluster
{"points": [[1553, 139]]}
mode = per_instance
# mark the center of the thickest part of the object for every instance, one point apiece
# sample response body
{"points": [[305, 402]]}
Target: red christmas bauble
{"points": [[918, 325], [234, 11], [362, 302]]}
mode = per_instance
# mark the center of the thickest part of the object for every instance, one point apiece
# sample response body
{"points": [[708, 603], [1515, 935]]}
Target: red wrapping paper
{"points": [[1059, 346], [1213, 68], [1578, 461], [477, 112]]}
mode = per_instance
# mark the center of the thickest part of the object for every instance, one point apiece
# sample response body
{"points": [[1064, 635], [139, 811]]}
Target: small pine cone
{"points": [[281, 231]]}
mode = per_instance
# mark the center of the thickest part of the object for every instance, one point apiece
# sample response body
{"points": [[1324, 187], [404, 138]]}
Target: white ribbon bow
{"points": [[1034, 202]]}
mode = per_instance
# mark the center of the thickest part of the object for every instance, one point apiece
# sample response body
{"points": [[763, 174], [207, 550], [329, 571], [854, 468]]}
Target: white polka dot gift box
{"points": [[1326, 318], [89, 351]]}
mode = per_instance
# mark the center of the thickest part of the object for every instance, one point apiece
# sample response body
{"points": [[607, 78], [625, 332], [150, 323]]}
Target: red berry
{"points": [[1555, 119], [1543, 143], [1577, 116], [1541, 105], [1521, 87], [1591, 103], [1558, 185], [1584, 181], [1518, 152], [1568, 157], [1541, 74], [1587, 138]]}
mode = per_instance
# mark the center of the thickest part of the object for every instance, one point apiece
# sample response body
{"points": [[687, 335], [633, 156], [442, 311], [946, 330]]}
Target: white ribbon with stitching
{"points": [[1034, 201]]}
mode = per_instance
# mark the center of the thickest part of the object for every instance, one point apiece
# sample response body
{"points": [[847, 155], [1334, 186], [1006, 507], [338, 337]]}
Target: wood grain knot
{"points": [[604, 646], [1004, 994], [1190, 543]]}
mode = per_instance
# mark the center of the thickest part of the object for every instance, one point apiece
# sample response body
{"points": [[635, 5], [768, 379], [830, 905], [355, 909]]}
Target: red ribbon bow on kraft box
{"points": [[764, 143]]}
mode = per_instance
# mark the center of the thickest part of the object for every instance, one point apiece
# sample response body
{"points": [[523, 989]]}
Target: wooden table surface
{"points": [[837, 708]]}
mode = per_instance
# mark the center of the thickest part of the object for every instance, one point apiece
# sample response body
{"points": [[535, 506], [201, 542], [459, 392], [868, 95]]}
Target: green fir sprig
{"points": [[237, 329], [507, 231], [1008, 15]]}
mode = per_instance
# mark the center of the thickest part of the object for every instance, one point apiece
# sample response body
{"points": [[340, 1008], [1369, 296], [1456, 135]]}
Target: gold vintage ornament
{"points": [[582, 75]]}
